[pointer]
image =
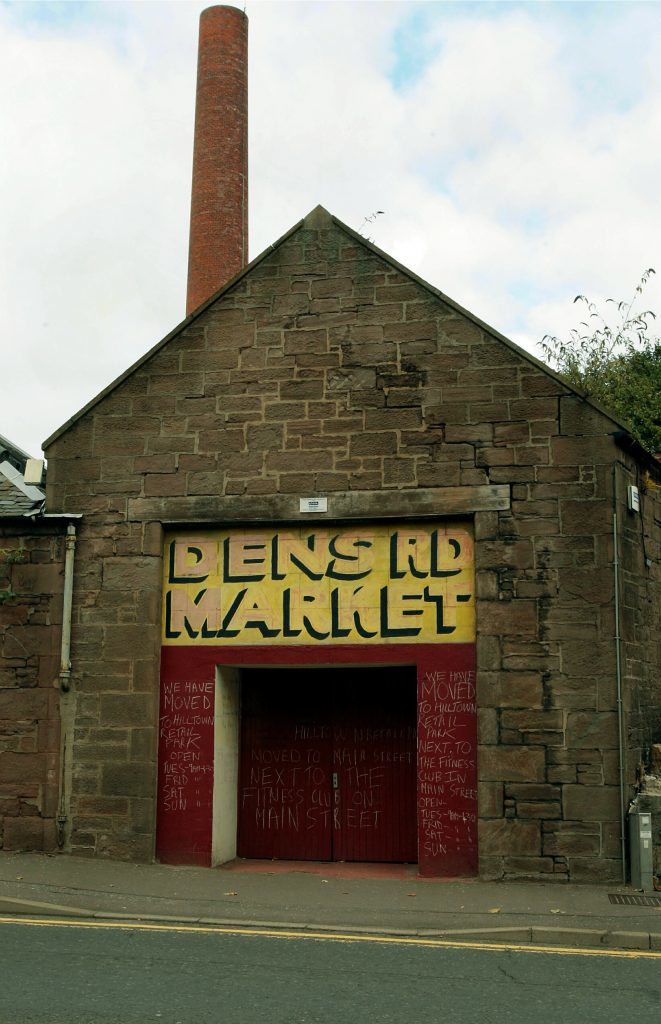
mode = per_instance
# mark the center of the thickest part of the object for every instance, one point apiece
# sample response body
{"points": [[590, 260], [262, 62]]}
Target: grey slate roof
{"points": [[16, 497]]}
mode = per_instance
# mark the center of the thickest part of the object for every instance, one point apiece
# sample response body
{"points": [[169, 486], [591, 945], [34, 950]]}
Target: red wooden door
{"points": [[374, 765], [284, 775], [328, 765]]}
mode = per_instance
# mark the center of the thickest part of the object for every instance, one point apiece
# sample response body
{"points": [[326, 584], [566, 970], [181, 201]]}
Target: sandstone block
{"points": [[439, 474], [301, 390], [24, 768], [331, 286], [24, 833], [382, 443], [167, 443], [527, 721], [504, 554], [97, 752], [136, 848], [17, 705], [508, 837], [295, 483], [398, 471], [230, 336], [504, 433], [128, 641], [126, 709], [584, 659], [485, 412], [265, 437], [408, 292], [488, 652], [529, 868], [143, 744], [598, 729], [188, 384], [535, 455], [599, 871], [142, 815], [205, 483], [567, 838], [534, 409], [577, 451], [99, 805], [511, 764], [577, 417], [165, 485], [493, 457], [490, 799], [511, 618], [487, 726], [487, 586], [591, 803], [491, 868], [538, 809], [131, 573], [314, 341], [299, 461], [586, 517], [532, 791], [127, 780], [403, 397], [332, 482]]}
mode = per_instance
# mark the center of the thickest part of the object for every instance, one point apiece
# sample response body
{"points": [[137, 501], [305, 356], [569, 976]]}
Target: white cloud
{"points": [[518, 167]]}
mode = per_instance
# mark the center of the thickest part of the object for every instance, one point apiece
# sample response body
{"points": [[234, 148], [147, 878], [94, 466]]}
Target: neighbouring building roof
{"points": [[16, 497]]}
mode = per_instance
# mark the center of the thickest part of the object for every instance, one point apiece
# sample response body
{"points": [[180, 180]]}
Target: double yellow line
{"points": [[276, 933]]}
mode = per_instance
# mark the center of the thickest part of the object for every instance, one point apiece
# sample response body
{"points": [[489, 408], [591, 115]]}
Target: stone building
{"points": [[32, 556], [356, 577], [326, 371]]}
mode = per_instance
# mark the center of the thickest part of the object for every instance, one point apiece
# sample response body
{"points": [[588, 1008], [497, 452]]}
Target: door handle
{"points": [[336, 781]]}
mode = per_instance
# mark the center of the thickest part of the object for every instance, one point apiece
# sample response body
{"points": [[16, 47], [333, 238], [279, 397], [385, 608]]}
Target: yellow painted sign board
{"points": [[395, 583]]}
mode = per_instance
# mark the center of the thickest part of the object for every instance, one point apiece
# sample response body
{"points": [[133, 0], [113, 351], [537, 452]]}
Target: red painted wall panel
{"points": [[447, 761], [185, 759]]}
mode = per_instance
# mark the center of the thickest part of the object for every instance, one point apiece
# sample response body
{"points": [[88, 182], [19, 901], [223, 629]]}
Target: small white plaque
{"points": [[313, 505]]}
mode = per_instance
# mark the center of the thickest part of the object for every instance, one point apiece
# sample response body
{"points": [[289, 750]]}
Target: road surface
{"points": [[109, 973]]}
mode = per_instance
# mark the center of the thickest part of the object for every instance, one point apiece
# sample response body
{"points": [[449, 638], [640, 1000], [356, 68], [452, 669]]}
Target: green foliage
{"points": [[617, 362], [9, 557]]}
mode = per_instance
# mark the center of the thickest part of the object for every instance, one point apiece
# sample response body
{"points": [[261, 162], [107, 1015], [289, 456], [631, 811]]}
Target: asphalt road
{"points": [[110, 974]]}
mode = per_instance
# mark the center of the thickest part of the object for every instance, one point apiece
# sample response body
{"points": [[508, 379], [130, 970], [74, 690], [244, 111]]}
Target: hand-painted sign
{"points": [[394, 583]]}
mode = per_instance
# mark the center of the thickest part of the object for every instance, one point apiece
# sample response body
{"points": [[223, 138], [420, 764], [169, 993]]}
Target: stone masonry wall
{"points": [[31, 568], [640, 571], [328, 370]]}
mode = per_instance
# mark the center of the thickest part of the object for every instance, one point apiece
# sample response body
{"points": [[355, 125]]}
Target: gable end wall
{"points": [[326, 370]]}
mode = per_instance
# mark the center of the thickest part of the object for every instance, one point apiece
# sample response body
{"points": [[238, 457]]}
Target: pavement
{"points": [[366, 899]]}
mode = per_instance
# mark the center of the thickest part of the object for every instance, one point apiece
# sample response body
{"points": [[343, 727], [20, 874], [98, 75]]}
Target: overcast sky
{"points": [[514, 147]]}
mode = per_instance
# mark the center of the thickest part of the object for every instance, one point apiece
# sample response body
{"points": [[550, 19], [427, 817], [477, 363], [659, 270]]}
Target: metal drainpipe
{"points": [[65, 684], [618, 670], [65, 655]]}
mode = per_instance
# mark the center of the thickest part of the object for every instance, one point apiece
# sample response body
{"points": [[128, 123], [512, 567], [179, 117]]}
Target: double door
{"points": [[328, 764]]}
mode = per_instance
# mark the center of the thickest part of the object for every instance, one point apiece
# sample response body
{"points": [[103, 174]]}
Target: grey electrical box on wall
{"points": [[642, 851], [633, 498]]}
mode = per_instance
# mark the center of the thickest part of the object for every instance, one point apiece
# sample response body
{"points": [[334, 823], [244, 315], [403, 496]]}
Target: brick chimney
{"points": [[218, 247]]}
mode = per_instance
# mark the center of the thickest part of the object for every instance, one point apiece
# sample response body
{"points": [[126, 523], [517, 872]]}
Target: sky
{"points": [[513, 147]]}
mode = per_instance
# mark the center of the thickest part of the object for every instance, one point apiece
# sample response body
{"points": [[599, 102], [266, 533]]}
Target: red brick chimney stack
{"points": [[219, 204]]}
